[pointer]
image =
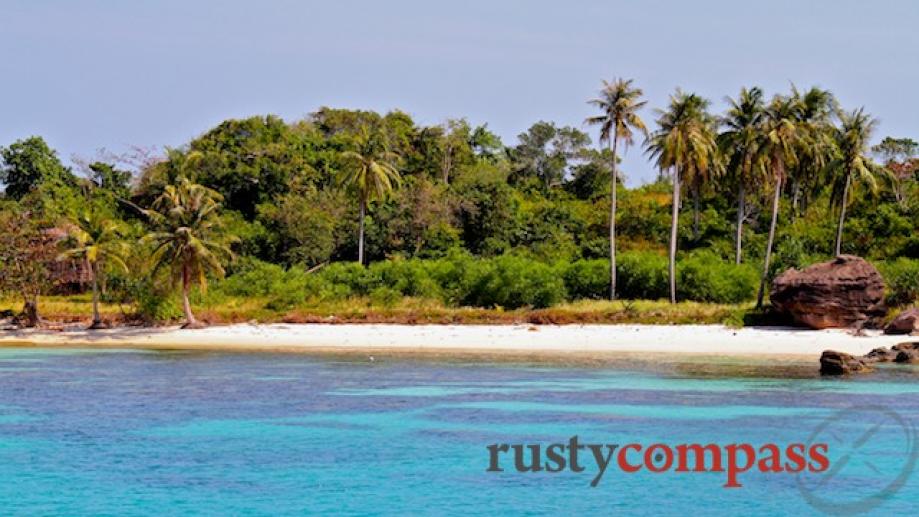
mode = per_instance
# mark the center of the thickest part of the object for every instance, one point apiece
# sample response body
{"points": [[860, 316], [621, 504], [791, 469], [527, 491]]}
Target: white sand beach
{"points": [[480, 339]]}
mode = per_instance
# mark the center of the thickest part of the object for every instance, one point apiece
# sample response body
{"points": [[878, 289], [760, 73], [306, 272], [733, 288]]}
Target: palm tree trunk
{"points": [[695, 212], [775, 215], [612, 226], [738, 238], [360, 237], [190, 321], [842, 215], [675, 215], [97, 319]]}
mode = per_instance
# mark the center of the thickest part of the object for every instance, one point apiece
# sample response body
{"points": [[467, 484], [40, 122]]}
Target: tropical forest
{"points": [[351, 215]]}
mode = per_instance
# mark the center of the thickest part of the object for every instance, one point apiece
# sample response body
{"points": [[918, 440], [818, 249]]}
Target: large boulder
{"points": [[907, 322], [842, 293]]}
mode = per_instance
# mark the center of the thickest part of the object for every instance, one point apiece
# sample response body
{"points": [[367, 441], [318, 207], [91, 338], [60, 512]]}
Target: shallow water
{"points": [[134, 432]]}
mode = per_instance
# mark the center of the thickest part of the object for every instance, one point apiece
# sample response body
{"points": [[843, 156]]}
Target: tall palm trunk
{"points": [[696, 194], [97, 318], [675, 215], [612, 226], [775, 216], [738, 237], [842, 214], [360, 237], [190, 321]]}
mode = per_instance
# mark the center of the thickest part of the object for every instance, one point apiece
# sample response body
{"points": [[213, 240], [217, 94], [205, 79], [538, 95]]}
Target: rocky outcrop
{"points": [[842, 293], [907, 322], [841, 363]]}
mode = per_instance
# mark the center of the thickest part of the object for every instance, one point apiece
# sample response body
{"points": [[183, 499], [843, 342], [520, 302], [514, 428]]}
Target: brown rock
{"points": [[880, 355], [844, 292], [905, 323], [906, 356], [841, 363]]}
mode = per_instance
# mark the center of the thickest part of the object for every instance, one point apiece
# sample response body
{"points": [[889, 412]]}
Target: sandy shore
{"points": [[480, 339]]}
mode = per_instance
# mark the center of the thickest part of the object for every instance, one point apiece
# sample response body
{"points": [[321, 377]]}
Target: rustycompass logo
{"points": [[869, 465]]}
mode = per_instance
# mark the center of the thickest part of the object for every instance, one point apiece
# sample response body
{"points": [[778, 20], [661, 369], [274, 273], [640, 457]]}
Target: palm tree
{"points": [[619, 104], [371, 172], [97, 241], [685, 145], [816, 148], [740, 148], [852, 164], [780, 141], [187, 237]]}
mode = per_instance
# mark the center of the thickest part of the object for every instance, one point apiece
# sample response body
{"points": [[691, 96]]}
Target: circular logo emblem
{"points": [[868, 464]]}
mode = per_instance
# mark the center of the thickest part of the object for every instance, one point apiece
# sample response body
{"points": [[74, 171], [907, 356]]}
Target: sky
{"points": [[91, 74]]}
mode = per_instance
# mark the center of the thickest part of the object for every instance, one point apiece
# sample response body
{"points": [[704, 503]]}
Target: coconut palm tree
{"points": [[187, 237], [96, 241], [371, 172], [815, 111], [619, 104], [683, 144], [740, 148], [780, 141], [853, 138]]}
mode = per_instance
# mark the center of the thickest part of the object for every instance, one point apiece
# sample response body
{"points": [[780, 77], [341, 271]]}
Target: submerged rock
{"points": [[907, 322], [841, 363], [844, 292]]}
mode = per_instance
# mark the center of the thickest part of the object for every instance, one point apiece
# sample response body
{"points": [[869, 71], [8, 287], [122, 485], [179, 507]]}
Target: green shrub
{"points": [[511, 282], [587, 279], [642, 276], [704, 277], [155, 303], [902, 279]]}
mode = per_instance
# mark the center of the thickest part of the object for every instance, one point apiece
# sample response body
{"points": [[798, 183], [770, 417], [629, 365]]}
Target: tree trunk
{"points": [[97, 318], [675, 215], [360, 237], [190, 321], [738, 238], [842, 214], [29, 317], [695, 212], [612, 226], [775, 215]]}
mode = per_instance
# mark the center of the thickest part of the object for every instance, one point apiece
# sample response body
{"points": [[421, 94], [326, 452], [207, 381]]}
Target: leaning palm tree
{"points": [[853, 138], [780, 140], [371, 172], [739, 143], [96, 241], [187, 237], [619, 104], [685, 145]]}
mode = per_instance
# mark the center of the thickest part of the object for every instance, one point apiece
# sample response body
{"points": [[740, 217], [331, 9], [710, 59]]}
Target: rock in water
{"points": [[841, 363], [844, 292], [907, 322]]}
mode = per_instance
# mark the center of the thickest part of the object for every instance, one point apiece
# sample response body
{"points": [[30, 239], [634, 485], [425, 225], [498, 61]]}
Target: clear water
{"points": [[132, 432]]}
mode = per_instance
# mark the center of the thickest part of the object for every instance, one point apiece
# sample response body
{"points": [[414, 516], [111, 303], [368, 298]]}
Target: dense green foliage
{"points": [[453, 213]]}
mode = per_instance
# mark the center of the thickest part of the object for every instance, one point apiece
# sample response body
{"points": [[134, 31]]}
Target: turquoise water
{"points": [[132, 432]]}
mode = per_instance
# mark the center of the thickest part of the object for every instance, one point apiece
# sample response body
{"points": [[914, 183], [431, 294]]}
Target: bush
{"points": [[155, 303], [902, 279], [704, 277], [587, 279], [642, 276], [511, 282]]}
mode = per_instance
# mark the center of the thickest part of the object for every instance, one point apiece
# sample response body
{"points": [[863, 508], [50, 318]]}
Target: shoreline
{"points": [[551, 343]]}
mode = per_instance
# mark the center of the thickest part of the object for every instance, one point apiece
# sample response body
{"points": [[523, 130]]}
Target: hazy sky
{"points": [[110, 73]]}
